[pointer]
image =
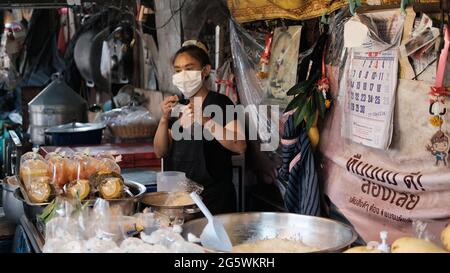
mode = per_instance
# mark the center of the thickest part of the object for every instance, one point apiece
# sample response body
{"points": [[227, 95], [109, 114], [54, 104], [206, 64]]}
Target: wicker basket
{"points": [[132, 131]]}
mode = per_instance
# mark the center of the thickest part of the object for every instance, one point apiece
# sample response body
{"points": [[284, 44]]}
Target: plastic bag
{"points": [[335, 51], [62, 169], [102, 221], [64, 232], [107, 163], [264, 120], [283, 65], [32, 165], [130, 122]]}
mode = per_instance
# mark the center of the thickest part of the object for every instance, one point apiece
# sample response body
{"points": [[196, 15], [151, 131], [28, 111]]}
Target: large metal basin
{"points": [[324, 234]]}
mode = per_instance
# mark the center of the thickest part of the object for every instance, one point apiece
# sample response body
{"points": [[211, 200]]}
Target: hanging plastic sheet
{"points": [[283, 64], [335, 50], [246, 49]]}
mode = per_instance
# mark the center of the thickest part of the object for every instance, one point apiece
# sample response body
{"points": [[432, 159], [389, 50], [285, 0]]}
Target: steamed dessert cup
{"points": [[109, 185], [39, 190], [78, 189], [32, 166], [107, 163], [61, 169], [86, 165]]}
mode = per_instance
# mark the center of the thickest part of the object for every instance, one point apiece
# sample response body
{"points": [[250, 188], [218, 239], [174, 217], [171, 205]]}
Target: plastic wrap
{"points": [[335, 50], [176, 182], [85, 168], [103, 229], [64, 232], [107, 163], [104, 221], [130, 122], [62, 169], [32, 165], [283, 65], [246, 51]]}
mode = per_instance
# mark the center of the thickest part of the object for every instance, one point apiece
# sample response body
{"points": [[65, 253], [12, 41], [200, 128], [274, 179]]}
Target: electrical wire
{"points": [[170, 19]]}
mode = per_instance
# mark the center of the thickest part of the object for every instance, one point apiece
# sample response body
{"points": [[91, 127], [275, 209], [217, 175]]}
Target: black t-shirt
{"points": [[217, 157]]}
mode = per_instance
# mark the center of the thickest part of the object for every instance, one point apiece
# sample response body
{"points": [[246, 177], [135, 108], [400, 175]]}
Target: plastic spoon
{"points": [[214, 235]]}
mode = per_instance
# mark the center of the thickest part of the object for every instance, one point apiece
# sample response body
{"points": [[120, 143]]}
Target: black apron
{"points": [[188, 156]]}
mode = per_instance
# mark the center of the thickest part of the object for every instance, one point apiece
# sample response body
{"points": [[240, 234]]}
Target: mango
{"points": [[415, 245], [445, 237]]}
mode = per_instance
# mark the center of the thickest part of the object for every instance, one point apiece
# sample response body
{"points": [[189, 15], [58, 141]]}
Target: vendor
{"points": [[207, 160]]}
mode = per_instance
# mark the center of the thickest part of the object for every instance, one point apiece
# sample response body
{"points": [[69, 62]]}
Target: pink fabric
{"points": [[288, 141], [294, 161], [443, 58], [387, 190]]}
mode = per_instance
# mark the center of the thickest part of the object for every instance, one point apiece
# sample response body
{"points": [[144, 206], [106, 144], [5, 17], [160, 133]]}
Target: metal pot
{"points": [[57, 104], [75, 133], [12, 207], [156, 202], [325, 234]]}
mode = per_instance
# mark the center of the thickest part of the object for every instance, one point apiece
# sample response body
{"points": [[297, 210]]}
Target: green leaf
{"points": [[300, 114], [297, 101], [85, 205], [310, 120], [47, 210], [321, 103], [299, 88], [294, 90]]}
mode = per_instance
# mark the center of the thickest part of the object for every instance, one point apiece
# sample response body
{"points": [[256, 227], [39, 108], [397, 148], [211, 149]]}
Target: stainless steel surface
{"points": [[12, 207], [36, 239], [155, 201], [15, 138], [75, 127], [238, 162], [13, 152], [128, 205], [55, 105], [325, 234]]}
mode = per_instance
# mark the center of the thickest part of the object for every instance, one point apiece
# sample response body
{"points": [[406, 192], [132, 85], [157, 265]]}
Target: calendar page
{"points": [[370, 97], [370, 77]]}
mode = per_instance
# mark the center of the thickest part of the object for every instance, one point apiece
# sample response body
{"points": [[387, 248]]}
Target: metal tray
{"points": [[128, 204]]}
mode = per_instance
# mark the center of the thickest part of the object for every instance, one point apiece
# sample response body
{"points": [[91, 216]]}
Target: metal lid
{"points": [[56, 94], [75, 127]]}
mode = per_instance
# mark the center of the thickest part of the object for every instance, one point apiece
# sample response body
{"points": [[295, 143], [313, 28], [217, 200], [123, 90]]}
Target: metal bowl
{"points": [[156, 202], [12, 207], [324, 234], [128, 205]]}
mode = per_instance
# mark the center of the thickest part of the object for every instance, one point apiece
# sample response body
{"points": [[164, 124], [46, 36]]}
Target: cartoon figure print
{"points": [[439, 147]]}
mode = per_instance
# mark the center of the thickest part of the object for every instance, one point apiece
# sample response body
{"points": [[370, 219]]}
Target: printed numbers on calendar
{"points": [[377, 100], [363, 97]]}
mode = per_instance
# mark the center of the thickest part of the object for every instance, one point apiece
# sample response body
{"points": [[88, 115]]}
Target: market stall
{"points": [[329, 132]]}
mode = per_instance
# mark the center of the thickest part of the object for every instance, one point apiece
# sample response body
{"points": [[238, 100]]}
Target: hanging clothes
{"points": [[297, 177]]}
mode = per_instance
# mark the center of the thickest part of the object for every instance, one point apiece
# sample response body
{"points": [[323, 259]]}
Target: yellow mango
{"points": [[415, 245], [445, 237]]}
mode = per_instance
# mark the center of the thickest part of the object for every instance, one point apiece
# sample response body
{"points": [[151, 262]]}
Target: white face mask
{"points": [[189, 82]]}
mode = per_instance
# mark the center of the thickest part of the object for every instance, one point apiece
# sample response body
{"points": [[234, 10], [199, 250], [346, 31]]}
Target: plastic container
{"points": [[170, 181]]}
